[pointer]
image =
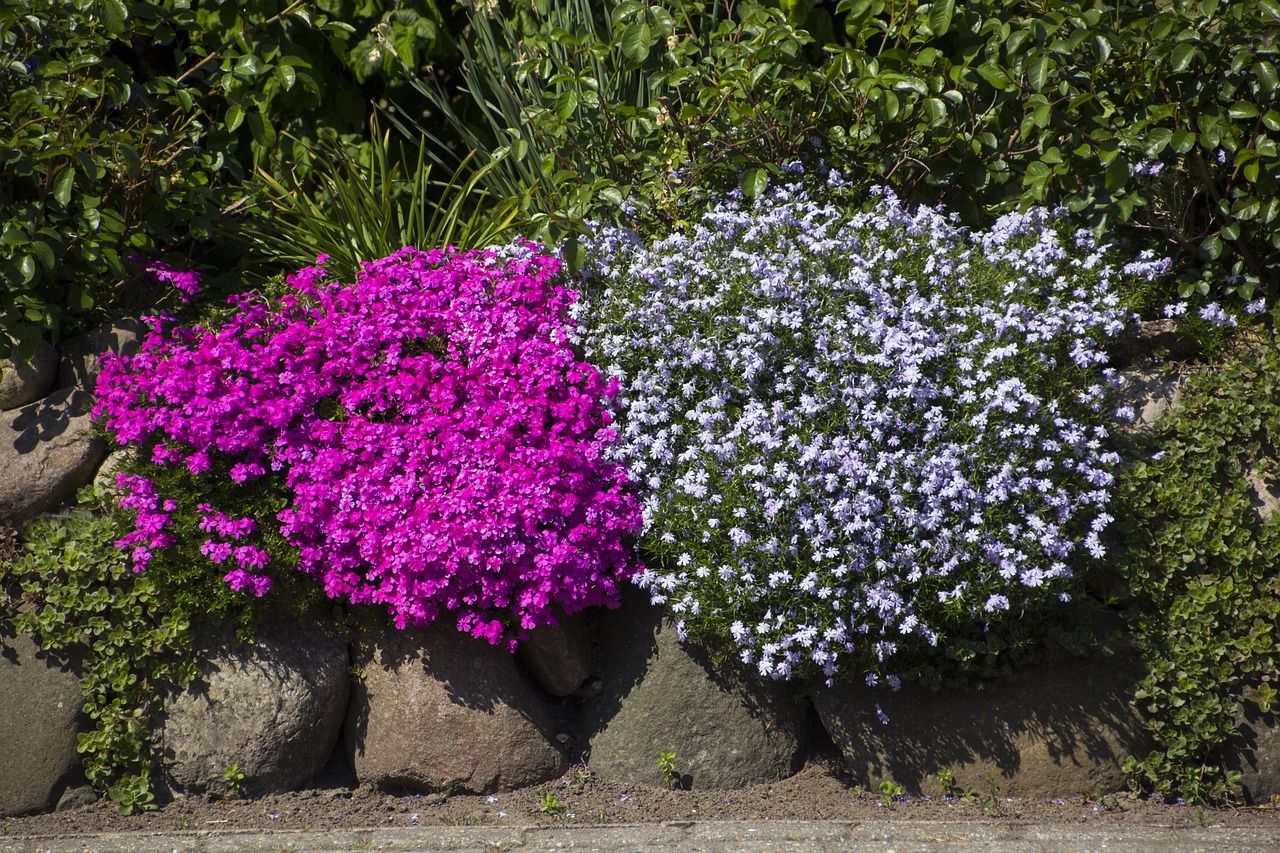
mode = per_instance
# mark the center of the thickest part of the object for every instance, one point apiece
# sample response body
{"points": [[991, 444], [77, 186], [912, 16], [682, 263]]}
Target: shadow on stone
{"points": [[435, 709], [1060, 730], [726, 727]]}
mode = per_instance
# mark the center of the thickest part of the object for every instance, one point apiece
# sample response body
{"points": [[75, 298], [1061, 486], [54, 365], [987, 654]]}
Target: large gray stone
{"points": [[46, 453], [1255, 752], [40, 718], [558, 656], [81, 354], [727, 728], [1151, 392], [1163, 337], [436, 710], [273, 708], [1060, 730], [25, 380]]}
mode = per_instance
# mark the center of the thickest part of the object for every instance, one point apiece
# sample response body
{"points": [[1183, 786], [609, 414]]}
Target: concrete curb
{"points": [[682, 837]]}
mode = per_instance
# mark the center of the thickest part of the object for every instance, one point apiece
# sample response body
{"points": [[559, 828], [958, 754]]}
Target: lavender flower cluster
{"points": [[856, 432]]}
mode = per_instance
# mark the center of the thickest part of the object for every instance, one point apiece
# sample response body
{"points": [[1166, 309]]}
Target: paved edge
{"points": [[677, 836]]}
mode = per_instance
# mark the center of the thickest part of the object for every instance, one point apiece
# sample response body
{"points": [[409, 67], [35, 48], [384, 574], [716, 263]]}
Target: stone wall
{"points": [[432, 709]]}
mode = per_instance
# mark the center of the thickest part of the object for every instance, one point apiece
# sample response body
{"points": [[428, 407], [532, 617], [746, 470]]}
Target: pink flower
{"points": [[438, 445]]}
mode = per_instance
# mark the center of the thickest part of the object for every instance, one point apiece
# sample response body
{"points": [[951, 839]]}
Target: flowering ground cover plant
{"points": [[858, 435], [425, 439]]}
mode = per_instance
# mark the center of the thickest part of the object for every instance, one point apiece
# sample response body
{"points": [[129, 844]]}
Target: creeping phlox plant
{"points": [[858, 434], [435, 443]]}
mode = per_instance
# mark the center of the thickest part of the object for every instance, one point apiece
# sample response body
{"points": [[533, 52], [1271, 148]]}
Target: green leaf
{"points": [[1271, 119], [1117, 174], [636, 39], [263, 133], [62, 186], [27, 266], [1246, 208], [1183, 141], [1182, 55], [287, 76], [1211, 248], [566, 104], [1243, 109], [247, 66], [114, 15], [1267, 77], [235, 117], [753, 182], [45, 254], [1157, 140], [994, 75], [1038, 72], [940, 16]]}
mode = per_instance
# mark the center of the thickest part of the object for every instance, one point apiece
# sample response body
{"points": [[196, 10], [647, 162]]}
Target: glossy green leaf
{"points": [[1117, 174], [1243, 109], [114, 15], [566, 103], [1038, 72], [235, 116], [1265, 72], [994, 75], [63, 184], [753, 182], [1246, 208], [45, 255], [1182, 55], [940, 13], [1182, 141], [635, 43]]}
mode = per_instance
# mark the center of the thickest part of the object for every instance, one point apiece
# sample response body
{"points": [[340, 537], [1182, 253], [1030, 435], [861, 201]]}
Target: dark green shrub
{"points": [[1156, 119], [130, 128], [1203, 570], [636, 106]]}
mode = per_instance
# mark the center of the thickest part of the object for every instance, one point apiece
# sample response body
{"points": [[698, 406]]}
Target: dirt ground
{"points": [[822, 790]]}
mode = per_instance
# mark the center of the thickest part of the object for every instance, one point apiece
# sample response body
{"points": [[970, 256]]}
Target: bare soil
{"points": [[822, 790]]}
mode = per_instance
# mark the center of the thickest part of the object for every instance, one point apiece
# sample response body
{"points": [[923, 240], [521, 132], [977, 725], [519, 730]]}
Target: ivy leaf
{"points": [[235, 116]]}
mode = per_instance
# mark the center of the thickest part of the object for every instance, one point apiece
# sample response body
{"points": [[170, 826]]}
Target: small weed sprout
{"points": [[233, 778], [551, 805], [947, 784], [667, 767], [890, 791], [990, 798]]}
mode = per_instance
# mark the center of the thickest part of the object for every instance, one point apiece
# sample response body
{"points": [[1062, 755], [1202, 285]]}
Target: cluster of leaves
{"points": [[422, 439], [132, 126], [1202, 570], [859, 436], [1157, 119], [355, 212], [72, 592], [585, 111]]}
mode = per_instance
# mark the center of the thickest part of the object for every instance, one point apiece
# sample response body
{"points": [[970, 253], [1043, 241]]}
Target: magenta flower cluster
{"points": [[441, 445]]}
